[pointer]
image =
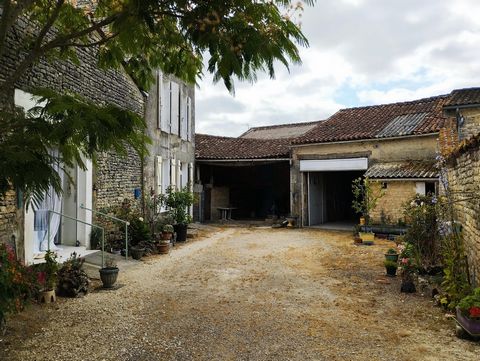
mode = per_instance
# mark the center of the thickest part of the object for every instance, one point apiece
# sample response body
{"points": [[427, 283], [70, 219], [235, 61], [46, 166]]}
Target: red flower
{"points": [[474, 311]]}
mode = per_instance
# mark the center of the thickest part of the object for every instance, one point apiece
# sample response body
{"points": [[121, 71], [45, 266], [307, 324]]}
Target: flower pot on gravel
{"points": [[137, 252], [163, 247], [181, 230], [108, 275], [367, 237], [391, 255], [391, 268]]}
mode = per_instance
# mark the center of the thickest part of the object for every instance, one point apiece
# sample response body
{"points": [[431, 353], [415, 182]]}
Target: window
{"points": [[420, 188], [165, 101]]}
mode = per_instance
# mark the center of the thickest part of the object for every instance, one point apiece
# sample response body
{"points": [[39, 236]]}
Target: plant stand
{"points": [[47, 297]]}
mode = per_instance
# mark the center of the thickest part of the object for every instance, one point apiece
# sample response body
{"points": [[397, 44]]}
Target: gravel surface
{"points": [[245, 294]]}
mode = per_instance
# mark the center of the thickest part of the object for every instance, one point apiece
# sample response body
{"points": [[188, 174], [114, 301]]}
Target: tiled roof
{"points": [[462, 97], [214, 147], [281, 131], [421, 116], [407, 169]]}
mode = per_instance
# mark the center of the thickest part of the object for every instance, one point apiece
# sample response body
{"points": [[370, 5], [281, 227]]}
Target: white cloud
{"points": [[362, 52]]}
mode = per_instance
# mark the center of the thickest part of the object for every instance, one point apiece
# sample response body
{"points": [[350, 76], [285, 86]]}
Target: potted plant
{"points": [[139, 234], [406, 257], [109, 273], [72, 279], [391, 267], [48, 278], [165, 237], [365, 199], [178, 206], [391, 255], [468, 314]]}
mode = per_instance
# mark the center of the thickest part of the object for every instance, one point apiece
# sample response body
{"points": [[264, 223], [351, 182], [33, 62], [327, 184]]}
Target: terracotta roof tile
{"points": [[214, 147], [421, 116], [407, 169], [462, 97]]}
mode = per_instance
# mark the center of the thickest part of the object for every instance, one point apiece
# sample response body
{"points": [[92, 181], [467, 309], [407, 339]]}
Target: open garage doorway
{"points": [[329, 190], [330, 197]]}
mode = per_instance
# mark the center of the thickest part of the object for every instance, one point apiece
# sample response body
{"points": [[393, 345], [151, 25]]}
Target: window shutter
{"points": [[179, 175], [174, 108], [165, 106], [158, 175], [159, 99], [188, 117], [173, 173], [190, 176]]}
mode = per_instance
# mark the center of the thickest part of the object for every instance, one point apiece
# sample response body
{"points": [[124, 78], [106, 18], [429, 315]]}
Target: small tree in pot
{"points": [[165, 238], [178, 207], [48, 277], [365, 199]]}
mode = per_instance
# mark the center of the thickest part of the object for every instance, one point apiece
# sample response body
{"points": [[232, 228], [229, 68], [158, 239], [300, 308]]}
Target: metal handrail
{"points": [[77, 220], [115, 219]]}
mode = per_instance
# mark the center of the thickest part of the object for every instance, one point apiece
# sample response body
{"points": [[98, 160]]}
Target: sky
{"points": [[361, 52]]}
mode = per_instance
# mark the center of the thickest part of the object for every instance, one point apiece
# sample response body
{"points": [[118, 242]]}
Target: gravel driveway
{"points": [[245, 294]]}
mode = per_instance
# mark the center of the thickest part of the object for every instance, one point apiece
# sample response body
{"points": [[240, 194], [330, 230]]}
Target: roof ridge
{"points": [[283, 125], [407, 102]]}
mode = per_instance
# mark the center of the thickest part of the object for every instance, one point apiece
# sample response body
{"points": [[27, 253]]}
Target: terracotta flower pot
{"points": [[163, 247]]}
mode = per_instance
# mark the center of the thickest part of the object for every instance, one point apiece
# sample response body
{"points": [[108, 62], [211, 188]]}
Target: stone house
{"points": [[169, 113], [394, 144], [460, 142]]}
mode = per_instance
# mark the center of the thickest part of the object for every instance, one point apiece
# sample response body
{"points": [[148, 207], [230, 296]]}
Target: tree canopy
{"points": [[233, 38], [240, 37]]}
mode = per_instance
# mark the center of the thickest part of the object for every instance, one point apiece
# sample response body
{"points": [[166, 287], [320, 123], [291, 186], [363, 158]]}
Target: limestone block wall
{"points": [[471, 124], [8, 209], [464, 177], [376, 150], [116, 176], [392, 203]]}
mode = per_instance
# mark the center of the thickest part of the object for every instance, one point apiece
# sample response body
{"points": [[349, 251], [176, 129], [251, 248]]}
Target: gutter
{"points": [[243, 160], [364, 140], [404, 179]]}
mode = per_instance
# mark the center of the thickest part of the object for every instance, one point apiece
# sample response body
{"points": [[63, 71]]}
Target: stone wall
{"points": [[471, 123], [8, 209], [381, 150], [116, 176], [464, 180], [390, 205]]}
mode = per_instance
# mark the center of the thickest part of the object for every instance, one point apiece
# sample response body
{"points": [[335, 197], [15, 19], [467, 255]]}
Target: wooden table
{"points": [[225, 213]]}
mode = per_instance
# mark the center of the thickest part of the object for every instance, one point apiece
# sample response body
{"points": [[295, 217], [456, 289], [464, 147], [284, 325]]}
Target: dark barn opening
{"points": [[330, 196], [256, 190]]}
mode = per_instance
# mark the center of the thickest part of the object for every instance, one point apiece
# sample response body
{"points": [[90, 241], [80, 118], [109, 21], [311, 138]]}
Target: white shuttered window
{"points": [[165, 101]]}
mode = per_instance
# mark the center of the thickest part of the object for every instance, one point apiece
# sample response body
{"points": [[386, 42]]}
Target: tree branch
{"points": [[62, 41], [95, 43]]}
